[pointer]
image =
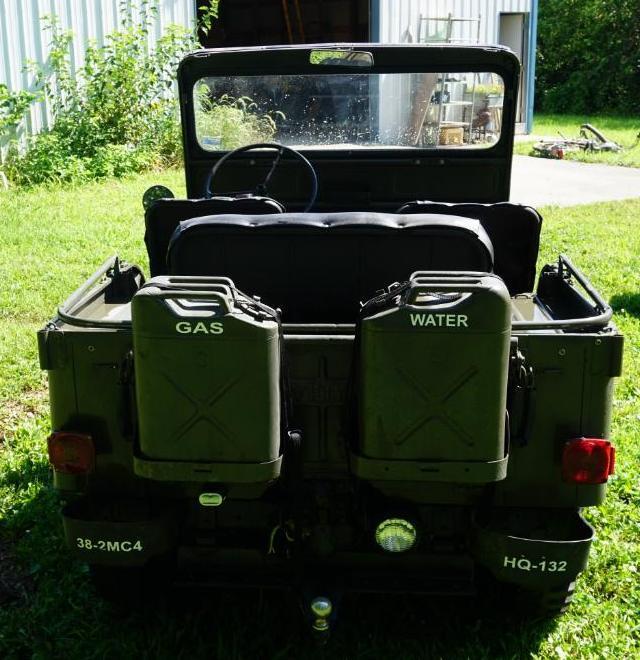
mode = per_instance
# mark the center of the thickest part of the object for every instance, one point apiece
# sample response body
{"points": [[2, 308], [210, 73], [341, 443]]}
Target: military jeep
{"points": [[342, 373]]}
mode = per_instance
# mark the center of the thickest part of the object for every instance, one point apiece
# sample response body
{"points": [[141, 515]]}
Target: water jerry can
{"points": [[433, 370]]}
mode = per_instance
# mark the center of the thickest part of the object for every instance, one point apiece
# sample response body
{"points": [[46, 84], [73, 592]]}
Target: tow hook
{"points": [[321, 609]]}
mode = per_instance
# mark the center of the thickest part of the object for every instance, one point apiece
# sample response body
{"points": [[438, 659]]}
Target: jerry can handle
{"points": [[221, 296], [199, 280], [453, 275], [447, 288], [189, 283]]}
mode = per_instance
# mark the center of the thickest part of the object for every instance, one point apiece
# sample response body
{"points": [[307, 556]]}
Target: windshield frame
{"points": [[388, 58]]}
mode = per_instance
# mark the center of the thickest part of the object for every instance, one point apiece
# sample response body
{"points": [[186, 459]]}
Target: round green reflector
{"points": [[395, 535]]}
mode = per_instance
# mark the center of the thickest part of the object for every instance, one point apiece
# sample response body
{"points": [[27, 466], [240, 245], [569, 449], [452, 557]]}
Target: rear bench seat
{"points": [[514, 230], [164, 215], [317, 267]]}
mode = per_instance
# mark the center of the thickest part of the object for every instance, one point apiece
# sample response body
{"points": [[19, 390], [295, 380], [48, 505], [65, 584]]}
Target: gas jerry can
{"points": [[207, 372], [433, 371]]}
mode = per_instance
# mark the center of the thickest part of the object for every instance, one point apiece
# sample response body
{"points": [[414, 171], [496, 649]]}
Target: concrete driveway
{"points": [[546, 182]]}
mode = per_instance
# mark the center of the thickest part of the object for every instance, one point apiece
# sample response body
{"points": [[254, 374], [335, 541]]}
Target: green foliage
{"points": [[207, 13], [117, 114], [489, 89], [231, 122], [588, 56], [13, 107]]}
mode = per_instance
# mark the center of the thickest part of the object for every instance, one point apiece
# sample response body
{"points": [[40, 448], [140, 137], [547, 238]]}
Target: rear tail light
{"points": [[588, 461], [71, 453]]}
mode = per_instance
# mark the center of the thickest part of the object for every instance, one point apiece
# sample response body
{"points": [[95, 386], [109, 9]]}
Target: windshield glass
{"points": [[350, 110]]}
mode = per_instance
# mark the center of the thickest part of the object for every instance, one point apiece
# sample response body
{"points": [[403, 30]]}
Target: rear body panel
{"points": [[124, 513], [275, 446]]}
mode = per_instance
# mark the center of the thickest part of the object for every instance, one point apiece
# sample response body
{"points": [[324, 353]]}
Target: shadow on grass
{"points": [[254, 624], [627, 302], [64, 617], [61, 615]]}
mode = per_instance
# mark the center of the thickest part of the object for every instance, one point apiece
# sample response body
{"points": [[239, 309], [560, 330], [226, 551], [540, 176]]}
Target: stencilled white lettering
{"points": [[439, 320], [108, 546], [524, 564], [200, 328]]}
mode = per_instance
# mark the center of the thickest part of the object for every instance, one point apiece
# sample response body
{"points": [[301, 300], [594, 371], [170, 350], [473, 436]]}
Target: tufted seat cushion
{"points": [[164, 215], [317, 267], [514, 231]]}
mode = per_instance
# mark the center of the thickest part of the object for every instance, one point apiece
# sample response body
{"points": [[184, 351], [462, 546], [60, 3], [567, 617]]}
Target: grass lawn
{"points": [[623, 130], [49, 242]]}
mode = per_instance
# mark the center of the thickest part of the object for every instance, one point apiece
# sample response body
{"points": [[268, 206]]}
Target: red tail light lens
{"points": [[588, 461], [71, 453]]}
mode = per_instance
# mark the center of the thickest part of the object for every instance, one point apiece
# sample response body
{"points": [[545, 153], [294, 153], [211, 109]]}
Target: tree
{"points": [[589, 56]]}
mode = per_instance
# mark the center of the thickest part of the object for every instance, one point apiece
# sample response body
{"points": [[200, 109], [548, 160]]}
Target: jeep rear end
{"points": [[362, 392]]}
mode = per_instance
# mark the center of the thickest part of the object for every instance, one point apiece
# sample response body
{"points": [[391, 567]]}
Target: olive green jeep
{"points": [[343, 372]]}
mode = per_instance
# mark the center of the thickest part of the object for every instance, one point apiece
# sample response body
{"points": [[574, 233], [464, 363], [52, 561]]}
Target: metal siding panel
{"points": [[4, 67], [39, 9], [531, 65], [4, 49], [87, 23], [12, 79], [34, 22], [112, 9], [76, 22], [407, 30], [397, 16], [32, 37], [168, 9], [188, 14], [96, 22], [494, 22], [160, 25], [383, 19], [375, 33], [26, 40], [23, 50], [22, 37], [391, 26], [486, 20]]}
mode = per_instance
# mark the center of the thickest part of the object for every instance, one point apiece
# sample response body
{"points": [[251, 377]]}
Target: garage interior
{"points": [[265, 22]]}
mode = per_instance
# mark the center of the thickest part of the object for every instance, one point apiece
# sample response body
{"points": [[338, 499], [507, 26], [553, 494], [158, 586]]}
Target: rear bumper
{"points": [[118, 536], [361, 572], [541, 557], [545, 556]]}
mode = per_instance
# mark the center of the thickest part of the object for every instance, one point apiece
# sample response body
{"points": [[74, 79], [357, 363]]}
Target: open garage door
{"points": [[513, 33], [265, 22]]}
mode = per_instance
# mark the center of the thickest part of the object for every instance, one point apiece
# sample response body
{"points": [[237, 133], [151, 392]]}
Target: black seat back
{"points": [[164, 215], [514, 231], [317, 267]]}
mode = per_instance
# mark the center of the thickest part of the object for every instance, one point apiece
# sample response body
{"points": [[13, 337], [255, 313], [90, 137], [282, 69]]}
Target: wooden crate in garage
{"points": [[451, 133]]}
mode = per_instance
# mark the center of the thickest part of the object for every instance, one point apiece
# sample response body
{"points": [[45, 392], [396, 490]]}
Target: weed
{"points": [[230, 122]]}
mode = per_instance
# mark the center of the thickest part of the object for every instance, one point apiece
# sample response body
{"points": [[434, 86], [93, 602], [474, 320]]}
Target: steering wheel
{"points": [[262, 188]]}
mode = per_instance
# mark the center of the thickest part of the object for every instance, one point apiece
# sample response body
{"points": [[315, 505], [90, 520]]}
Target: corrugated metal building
{"points": [[22, 37], [252, 22], [510, 23]]}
